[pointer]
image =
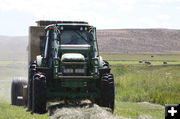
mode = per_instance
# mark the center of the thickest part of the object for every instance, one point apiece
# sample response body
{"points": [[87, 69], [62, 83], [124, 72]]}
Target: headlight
{"points": [[79, 70], [68, 70]]}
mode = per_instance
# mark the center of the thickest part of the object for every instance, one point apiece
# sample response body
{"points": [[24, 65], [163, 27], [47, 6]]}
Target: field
{"points": [[154, 84], [138, 82], [8, 70], [141, 89], [134, 58]]}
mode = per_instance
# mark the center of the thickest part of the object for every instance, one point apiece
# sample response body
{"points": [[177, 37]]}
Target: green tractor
{"points": [[64, 64]]}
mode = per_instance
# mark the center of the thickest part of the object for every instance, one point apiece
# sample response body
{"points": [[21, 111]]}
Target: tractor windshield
{"points": [[74, 37]]}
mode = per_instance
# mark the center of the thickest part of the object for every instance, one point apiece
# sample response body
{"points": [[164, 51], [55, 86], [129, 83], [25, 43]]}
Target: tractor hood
{"points": [[72, 57], [74, 48]]}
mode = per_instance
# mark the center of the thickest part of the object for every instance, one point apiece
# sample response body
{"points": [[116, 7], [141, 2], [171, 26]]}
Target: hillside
{"points": [[117, 40], [13, 47], [139, 40]]}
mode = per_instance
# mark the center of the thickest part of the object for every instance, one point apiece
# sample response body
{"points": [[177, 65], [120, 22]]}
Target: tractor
{"points": [[64, 64]]}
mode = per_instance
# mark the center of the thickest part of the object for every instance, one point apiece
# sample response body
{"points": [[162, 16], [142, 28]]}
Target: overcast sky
{"points": [[17, 15]]}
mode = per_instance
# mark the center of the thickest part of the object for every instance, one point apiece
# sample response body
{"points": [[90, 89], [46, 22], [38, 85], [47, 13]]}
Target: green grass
{"points": [[156, 84], [8, 111], [134, 110], [141, 56], [139, 82], [137, 62]]}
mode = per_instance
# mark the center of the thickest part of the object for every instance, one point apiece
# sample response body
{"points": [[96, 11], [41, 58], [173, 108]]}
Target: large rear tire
{"points": [[39, 93], [107, 91], [17, 91]]}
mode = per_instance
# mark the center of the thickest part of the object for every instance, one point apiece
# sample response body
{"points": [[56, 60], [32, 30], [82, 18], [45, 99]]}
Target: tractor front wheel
{"points": [[32, 71], [107, 91], [39, 93]]}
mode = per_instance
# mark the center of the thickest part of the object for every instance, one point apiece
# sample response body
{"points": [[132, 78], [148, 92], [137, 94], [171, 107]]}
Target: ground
{"points": [[141, 89]]}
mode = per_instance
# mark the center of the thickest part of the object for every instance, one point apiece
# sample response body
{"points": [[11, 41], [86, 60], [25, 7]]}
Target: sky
{"points": [[17, 15]]}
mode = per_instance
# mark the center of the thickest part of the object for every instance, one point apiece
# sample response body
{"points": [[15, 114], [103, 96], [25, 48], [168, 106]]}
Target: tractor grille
{"points": [[74, 70]]}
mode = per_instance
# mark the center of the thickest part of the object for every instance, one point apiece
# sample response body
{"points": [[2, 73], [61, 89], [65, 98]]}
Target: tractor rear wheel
{"points": [[17, 91], [39, 93], [107, 91]]}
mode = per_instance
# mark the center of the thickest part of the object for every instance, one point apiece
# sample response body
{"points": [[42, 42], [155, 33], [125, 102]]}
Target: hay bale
{"points": [[140, 61], [164, 62], [147, 62]]}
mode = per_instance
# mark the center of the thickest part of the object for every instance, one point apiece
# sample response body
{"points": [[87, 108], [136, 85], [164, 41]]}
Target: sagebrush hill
{"points": [[139, 40], [115, 40]]}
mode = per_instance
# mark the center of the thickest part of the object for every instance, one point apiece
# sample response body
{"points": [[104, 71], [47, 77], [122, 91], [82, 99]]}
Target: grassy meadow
{"points": [[138, 82], [8, 111], [141, 89]]}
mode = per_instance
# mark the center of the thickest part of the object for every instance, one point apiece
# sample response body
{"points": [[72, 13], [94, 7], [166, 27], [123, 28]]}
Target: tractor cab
{"points": [[70, 43]]}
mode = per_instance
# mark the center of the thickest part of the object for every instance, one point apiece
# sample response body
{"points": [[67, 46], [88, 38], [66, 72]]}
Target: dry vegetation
{"points": [[139, 40]]}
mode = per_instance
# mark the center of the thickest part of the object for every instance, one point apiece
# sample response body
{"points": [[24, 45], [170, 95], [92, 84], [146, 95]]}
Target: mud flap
{"points": [[25, 94]]}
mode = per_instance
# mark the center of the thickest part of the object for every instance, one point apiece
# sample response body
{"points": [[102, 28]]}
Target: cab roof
{"points": [[46, 22], [53, 25]]}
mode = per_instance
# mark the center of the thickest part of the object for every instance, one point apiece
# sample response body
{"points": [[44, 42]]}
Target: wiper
{"points": [[81, 36]]}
